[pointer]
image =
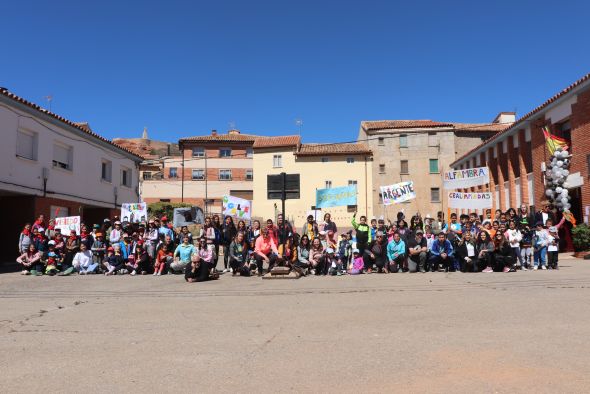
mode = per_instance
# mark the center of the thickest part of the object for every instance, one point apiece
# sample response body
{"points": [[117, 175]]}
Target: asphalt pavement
{"points": [[412, 333]]}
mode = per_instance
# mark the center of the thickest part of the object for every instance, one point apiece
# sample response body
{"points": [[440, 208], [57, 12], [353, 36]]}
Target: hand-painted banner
{"points": [[335, 197], [398, 192], [134, 212], [466, 178], [238, 207], [67, 224], [470, 200]]}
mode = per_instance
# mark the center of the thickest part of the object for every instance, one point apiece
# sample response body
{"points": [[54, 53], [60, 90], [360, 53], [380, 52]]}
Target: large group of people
{"points": [[502, 242]]}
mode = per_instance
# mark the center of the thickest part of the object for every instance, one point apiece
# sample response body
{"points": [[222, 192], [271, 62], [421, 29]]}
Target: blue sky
{"points": [[183, 68]]}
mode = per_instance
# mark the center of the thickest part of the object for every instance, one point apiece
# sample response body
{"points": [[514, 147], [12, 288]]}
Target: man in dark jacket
{"points": [[544, 214]]}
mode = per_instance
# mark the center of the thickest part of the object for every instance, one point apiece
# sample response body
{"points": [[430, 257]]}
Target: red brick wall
{"points": [[580, 122]]}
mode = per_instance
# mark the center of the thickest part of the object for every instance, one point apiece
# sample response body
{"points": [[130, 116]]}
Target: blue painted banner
{"points": [[335, 197]]}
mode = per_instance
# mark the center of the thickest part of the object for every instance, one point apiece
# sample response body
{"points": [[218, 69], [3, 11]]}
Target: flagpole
{"points": [[315, 211]]}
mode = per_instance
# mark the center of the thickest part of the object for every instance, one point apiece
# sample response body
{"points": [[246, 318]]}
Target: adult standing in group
{"points": [[310, 228], [164, 229], [116, 234], [329, 225], [151, 237], [285, 232], [545, 214], [525, 218], [417, 250], [363, 234], [228, 233], [217, 229]]}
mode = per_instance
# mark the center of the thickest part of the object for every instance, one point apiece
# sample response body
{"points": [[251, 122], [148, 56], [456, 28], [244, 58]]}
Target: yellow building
{"points": [[319, 166]]}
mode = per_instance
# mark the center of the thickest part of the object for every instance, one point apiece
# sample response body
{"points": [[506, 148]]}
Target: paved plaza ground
{"points": [[442, 333]]}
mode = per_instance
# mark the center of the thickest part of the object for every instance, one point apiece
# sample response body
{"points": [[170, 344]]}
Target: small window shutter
{"points": [[61, 154], [25, 145]]}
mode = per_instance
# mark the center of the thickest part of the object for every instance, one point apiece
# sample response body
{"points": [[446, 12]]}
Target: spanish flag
{"points": [[553, 142]]}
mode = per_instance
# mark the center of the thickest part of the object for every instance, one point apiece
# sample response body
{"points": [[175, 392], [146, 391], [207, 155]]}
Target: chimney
{"points": [[233, 131], [213, 132], [145, 134], [505, 117]]}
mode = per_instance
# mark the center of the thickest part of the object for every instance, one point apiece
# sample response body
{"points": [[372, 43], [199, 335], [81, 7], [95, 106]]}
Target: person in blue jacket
{"points": [[442, 254], [396, 254]]}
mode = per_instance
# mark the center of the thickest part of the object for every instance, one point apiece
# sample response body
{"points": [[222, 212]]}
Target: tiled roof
{"points": [[220, 138], [332, 149], [402, 124], [80, 126], [279, 141], [426, 123], [525, 117], [483, 127]]}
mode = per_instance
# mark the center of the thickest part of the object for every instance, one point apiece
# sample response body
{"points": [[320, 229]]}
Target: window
{"points": [[434, 194], [147, 175], [199, 152], [225, 175], [352, 183], [164, 200], [403, 140], [224, 152], [249, 175], [62, 156], [432, 138], [433, 166], [106, 170], [277, 161], [325, 159], [26, 145], [126, 177], [381, 141], [381, 168], [198, 175], [328, 184], [530, 182], [404, 169], [249, 153], [173, 173], [350, 160]]}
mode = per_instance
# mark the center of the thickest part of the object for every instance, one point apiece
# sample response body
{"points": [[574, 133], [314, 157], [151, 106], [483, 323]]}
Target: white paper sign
{"points": [[470, 200], [398, 192], [466, 178], [134, 212], [67, 224]]}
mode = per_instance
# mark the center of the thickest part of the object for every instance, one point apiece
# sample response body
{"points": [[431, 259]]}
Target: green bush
{"points": [[581, 235], [160, 209]]}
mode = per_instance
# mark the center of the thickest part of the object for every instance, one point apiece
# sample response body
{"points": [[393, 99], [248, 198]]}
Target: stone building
{"points": [[418, 151]]}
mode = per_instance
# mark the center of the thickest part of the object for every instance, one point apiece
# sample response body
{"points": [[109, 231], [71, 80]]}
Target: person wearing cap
{"points": [[127, 247], [151, 237], [357, 264], [540, 243], [323, 240], [553, 248], [396, 254], [376, 253], [417, 251], [84, 262], [332, 263], [164, 229], [441, 254], [39, 240], [344, 251], [116, 233], [310, 228], [98, 249]]}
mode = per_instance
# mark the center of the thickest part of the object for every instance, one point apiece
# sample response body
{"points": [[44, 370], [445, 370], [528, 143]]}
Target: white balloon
{"points": [[558, 190], [559, 163], [549, 193], [567, 206], [565, 200], [565, 193], [565, 173]]}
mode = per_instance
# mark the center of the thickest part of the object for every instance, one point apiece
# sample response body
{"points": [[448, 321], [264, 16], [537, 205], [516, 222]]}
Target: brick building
{"points": [[516, 157], [209, 167]]}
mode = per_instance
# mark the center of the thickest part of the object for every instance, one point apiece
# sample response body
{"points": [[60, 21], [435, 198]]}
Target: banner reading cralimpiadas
{"points": [[470, 200]]}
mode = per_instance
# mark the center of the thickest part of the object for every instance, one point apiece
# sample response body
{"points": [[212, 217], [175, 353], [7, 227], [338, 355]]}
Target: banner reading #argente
{"points": [[470, 200], [466, 178], [398, 192]]}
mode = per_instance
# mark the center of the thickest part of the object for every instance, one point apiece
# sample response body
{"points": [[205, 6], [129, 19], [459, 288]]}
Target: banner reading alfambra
{"points": [[470, 200], [466, 178]]}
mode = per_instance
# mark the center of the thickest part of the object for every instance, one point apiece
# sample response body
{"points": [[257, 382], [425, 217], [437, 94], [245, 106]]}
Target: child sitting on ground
{"points": [[114, 261], [357, 264], [163, 256]]}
